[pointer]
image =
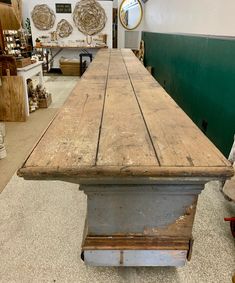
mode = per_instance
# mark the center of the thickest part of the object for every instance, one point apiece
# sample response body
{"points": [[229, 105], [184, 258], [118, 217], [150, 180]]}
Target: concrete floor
{"points": [[22, 136], [20, 139], [60, 87], [41, 225]]}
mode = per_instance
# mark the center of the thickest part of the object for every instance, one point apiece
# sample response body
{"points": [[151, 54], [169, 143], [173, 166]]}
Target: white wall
{"points": [[25, 9], [76, 35], [115, 3], [212, 17]]}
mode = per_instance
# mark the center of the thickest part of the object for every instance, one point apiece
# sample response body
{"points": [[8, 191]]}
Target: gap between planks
{"points": [[102, 115], [142, 114]]}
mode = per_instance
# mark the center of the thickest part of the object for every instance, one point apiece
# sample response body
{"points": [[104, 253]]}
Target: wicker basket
{"points": [[70, 67], [45, 102]]}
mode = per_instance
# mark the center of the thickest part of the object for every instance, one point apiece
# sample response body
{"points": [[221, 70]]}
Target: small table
{"points": [[59, 48], [28, 72]]}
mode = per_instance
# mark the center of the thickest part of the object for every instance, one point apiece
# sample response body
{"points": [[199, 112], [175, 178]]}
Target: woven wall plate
{"points": [[43, 17], [89, 17], [64, 28]]}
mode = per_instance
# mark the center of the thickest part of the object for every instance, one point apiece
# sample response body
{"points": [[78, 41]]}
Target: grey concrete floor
{"points": [[19, 141], [41, 225], [59, 86]]}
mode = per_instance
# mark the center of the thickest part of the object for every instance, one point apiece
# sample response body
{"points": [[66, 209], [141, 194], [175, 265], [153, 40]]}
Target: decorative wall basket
{"points": [[89, 17], [43, 17], [54, 35], [64, 28]]}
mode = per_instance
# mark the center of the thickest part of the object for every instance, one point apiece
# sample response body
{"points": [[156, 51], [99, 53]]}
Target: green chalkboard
{"points": [[199, 73]]}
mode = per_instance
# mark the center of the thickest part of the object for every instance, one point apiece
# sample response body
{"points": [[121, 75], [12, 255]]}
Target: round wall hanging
{"points": [[89, 17], [43, 17], [64, 28]]}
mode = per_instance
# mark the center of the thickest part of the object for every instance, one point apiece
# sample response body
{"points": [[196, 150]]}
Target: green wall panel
{"points": [[199, 73]]}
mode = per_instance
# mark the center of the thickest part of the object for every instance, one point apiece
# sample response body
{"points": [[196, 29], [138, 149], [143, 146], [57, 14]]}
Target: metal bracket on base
{"points": [[190, 251]]}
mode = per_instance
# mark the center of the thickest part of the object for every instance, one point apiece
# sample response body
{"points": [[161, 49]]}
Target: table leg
{"points": [[139, 225], [41, 79]]}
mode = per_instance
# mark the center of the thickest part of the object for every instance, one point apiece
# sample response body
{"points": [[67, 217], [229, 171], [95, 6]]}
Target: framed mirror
{"points": [[130, 14]]}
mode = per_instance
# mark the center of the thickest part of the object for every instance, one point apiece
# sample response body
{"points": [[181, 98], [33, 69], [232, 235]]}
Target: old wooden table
{"points": [[137, 156]]}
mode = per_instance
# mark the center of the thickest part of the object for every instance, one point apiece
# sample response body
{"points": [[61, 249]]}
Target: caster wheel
{"points": [[82, 256], [232, 224]]}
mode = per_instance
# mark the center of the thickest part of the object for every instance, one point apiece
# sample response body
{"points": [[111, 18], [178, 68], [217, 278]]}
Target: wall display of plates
{"points": [[89, 17], [43, 17], [64, 28]]}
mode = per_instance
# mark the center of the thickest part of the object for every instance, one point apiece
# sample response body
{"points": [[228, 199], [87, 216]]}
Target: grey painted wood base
{"points": [[136, 258], [139, 225]]}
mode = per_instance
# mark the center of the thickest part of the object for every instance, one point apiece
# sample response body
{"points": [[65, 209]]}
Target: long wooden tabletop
{"points": [[118, 121]]}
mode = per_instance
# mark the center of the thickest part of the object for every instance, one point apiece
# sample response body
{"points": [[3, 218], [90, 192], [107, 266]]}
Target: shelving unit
{"points": [[11, 42], [16, 43]]}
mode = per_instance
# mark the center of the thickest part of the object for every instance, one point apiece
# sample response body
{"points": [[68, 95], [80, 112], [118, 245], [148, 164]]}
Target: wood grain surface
{"points": [[11, 15], [12, 99], [119, 121]]}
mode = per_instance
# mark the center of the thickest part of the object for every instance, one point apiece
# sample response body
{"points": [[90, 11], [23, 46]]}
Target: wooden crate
{"points": [[45, 102], [21, 63]]}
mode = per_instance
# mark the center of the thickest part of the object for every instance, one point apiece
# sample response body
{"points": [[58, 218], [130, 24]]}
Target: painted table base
{"points": [[139, 225], [136, 258]]}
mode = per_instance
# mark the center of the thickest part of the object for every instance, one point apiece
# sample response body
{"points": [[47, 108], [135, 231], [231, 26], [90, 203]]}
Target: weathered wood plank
{"points": [[88, 171], [12, 99], [135, 243], [120, 123], [176, 138], [124, 139], [71, 140]]}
